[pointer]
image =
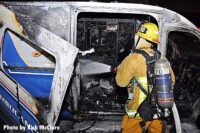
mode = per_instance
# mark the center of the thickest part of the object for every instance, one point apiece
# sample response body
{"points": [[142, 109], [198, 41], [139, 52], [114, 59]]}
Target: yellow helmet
{"points": [[149, 31]]}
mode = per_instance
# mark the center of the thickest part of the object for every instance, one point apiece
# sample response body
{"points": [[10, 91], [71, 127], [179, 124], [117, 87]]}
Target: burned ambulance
{"points": [[56, 58]]}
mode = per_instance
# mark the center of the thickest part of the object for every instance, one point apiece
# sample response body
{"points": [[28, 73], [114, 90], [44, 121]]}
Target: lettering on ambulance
{"points": [[13, 110], [9, 102]]}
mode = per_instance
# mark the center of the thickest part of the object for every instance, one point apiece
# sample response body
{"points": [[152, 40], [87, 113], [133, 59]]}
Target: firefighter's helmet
{"points": [[148, 31]]}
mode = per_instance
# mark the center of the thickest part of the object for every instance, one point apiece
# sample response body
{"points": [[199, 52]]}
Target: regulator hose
{"points": [[176, 119]]}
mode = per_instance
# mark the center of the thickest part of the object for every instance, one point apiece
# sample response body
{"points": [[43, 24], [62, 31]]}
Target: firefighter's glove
{"points": [[113, 69]]}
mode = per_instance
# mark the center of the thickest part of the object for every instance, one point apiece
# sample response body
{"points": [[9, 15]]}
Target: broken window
{"points": [[183, 53], [111, 37]]}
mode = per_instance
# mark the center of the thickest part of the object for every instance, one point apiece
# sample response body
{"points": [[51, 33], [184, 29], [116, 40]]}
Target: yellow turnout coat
{"points": [[134, 65]]}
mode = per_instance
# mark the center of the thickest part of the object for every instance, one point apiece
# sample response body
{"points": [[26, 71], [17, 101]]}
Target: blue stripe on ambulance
{"points": [[37, 83]]}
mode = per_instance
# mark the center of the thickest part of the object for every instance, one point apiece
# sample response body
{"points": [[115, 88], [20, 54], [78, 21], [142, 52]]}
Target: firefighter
{"points": [[134, 65]]}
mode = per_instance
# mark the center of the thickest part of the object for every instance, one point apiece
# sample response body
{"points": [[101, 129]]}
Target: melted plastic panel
{"points": [[111, 37], [183, 53], [52, 17]]}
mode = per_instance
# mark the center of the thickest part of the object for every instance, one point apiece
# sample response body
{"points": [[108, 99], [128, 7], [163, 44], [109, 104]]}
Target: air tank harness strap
{"points": [[131, 92], [133, 113], [144, 109], [133, 81], [129, 112]]}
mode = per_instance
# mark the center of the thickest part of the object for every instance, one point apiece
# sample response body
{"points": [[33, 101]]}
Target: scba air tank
{"points": [[163, 83]]}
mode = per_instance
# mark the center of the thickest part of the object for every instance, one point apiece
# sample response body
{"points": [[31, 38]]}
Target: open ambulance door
{"points": [[35, 71]]}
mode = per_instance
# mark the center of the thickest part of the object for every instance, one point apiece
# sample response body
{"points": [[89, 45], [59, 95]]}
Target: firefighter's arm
{"points": [[172, 76], [125, 72]]}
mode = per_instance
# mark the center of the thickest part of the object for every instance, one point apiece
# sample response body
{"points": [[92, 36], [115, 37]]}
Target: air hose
{"points": [[176, 119]]}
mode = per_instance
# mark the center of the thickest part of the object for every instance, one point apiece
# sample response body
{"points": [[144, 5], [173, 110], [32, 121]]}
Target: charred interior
{"points": [[108, 34], [111, 37], [183, 53]]}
